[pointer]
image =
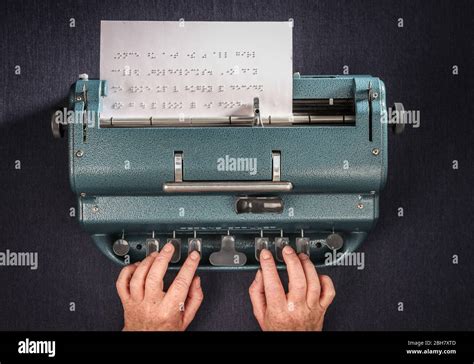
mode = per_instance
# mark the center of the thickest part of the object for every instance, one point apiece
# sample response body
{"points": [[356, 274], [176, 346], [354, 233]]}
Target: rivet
{"points": [[95, 208], [360, 205], [375, 151], [79, 154]]}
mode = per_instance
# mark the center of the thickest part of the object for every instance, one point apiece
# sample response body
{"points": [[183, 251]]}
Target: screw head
{"points": [[376, 151], [79, 154], [374, 95], [360, 205], [95, 209]]}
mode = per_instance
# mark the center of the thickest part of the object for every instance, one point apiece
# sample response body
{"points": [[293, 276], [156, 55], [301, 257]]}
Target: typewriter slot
{"points": [[325, 111], [306, 112]]}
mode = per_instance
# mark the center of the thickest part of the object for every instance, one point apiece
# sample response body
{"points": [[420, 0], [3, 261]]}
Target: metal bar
{"points": [[178, 167], [276, 166], [230, 186], [226, 121]]}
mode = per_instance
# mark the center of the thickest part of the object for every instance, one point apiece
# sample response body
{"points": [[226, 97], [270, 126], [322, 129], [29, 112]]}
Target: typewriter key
{"points": [[121, 247], [334, 241], [260, 244], [228, 256], [152, 245], [194, 244], [177, 249], [302, 246], [280, 243]]}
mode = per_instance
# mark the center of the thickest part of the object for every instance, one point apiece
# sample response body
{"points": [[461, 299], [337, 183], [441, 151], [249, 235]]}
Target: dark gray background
{"points": [[408, 259]]}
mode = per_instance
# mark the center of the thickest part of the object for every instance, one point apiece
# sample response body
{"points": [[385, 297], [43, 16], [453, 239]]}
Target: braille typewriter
{"points": [[229, 187]]}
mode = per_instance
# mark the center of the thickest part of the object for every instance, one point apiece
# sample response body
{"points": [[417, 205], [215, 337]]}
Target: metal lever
{"points": [[228, 256], [194, 244], [177, 248], [302, 244], [152, 244], [259, 205], [260, 243], [275, 185], [280, 243]]}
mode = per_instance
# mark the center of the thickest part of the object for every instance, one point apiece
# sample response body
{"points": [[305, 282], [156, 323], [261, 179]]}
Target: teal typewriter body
{"points": [[230, 187]]}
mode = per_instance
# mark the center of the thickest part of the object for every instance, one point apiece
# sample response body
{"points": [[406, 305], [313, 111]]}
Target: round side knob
{"points": [[121, 247], [399, 111], [56, 128], [334, 241]]}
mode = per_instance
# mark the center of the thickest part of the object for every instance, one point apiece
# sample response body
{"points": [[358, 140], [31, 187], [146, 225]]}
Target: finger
{"points": [[296, 276], [123, 281], [154, 279], [257, 297], [193, 302], [312, 281], [178, 291], [327, 291], [274, 292], [137, 283]]}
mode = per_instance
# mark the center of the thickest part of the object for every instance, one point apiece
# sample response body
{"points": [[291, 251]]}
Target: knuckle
{"points": [[134, 285], [274, 289], [126, 271], [180, 283], [293, 259], [314, 289], [190, 264], [252, 288], [299, 286], [153, 278], [199, 296], [144, 262], [160, 258]]}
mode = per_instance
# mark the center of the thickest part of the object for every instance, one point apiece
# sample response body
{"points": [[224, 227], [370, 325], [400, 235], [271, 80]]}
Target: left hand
{"points": [[146, 305]]}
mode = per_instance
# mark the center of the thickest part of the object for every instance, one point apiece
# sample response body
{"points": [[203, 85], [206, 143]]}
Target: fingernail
{"points": [[265, 254], [288, 250], [194, 255], [303, 256], [154, 254], [168, 247], [257, 276]]}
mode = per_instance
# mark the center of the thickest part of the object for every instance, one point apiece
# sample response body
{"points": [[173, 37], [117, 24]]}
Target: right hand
{"points": [[309, 296]]}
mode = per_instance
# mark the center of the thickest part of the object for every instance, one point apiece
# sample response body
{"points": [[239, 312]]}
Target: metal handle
{"points": [[180, 186], [231, 186]]}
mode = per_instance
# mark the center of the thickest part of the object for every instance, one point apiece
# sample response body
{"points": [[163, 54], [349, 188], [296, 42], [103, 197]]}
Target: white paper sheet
{"points": [[196, 69]]}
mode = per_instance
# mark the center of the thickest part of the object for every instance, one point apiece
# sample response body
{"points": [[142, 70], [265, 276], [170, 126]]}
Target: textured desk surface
{"points": [[408, 259]]}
